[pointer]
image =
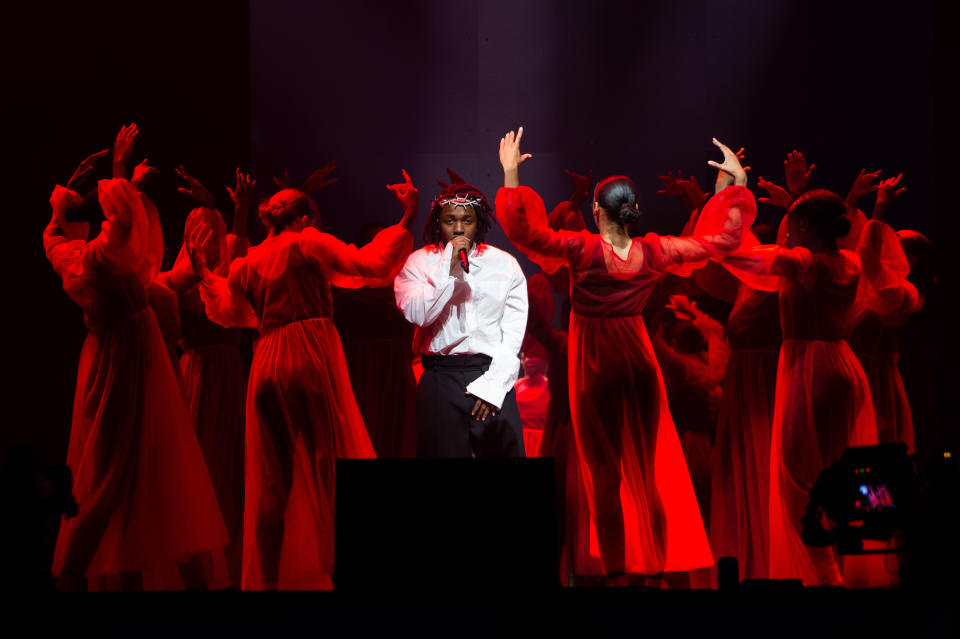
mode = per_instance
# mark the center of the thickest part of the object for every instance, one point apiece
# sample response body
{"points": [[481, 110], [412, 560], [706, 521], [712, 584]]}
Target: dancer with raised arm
{"points": [[641, 500], [301, 413], [213, 374], [146, 504], [823, 402]]}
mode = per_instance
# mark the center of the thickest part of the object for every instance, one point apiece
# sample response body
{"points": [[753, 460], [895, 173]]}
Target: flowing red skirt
{"points": [[890, 403], [627, 444], [301, 416], [823, 405], [146, 503], [214, 389], [739, 511]]}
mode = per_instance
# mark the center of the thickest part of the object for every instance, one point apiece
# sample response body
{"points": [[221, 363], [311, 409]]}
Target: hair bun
{"points": [[629, 213], [840, 226]]}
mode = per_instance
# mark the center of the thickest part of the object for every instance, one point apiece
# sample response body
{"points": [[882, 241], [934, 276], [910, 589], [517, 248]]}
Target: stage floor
{"points": [[587, 612]]}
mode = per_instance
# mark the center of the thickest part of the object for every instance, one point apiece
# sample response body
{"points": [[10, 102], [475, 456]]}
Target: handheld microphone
{"points": [[464, 264]]}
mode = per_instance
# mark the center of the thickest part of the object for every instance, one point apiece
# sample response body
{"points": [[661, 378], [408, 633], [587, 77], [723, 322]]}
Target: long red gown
{"points": [[301, 414], [215, 381], [146, 503], [823, 402], [740, 493], [876, 327], [626, 441]]}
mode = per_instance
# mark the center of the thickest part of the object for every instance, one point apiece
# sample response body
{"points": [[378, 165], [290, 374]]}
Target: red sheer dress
{"points": [[214, 379], [877, 325], [740, 477], [823, 402], [146, 503], [642, 506], [377, 342], [301, 414]]}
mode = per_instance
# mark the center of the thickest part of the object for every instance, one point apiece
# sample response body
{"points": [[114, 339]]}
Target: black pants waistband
{"points": [[455, 361]]}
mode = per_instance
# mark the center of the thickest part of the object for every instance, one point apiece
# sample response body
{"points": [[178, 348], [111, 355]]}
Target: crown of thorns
{"points": [[460, 200]]}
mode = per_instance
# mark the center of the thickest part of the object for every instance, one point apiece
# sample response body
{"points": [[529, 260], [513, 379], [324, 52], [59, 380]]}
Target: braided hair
{"points": [[458, 189]]}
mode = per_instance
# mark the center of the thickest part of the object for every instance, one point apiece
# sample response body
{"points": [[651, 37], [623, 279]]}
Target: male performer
{"points": [[469, 302]]}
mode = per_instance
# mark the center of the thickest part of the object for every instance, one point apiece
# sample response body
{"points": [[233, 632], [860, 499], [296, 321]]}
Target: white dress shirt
{"points": [[456, 313]]}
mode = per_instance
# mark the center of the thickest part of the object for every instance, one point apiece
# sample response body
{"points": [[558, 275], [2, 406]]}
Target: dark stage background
{"points": [[617, 87]]}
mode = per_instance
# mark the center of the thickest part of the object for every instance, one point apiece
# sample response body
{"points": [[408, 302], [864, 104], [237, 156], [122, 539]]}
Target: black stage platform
{"points": [[587, 612]]}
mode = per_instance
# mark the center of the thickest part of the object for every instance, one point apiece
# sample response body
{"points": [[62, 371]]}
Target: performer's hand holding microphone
{"points": [[461, 247]]}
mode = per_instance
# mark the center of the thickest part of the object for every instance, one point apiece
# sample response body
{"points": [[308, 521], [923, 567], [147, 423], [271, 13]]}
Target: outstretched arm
{"points": [[797, 173], [862, 184], [729, 172], [776, 195], [242, 196], [687, 190], [719, 228], [196, 191], [123, 149], [223, 298], [511, 158], [84, 169], [887, 191], [409, 197]]}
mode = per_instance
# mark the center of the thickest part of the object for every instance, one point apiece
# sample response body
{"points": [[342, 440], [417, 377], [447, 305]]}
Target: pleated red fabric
{"points": [[641, 501], [213, 376], [876, 328], [376, 341], [823, 402], [533, 401], [740, 474], [301, 414], [146, 503]]}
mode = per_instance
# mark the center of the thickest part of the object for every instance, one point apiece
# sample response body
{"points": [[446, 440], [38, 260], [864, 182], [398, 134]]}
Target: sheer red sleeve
{"points": [[521, 213], [376, 264], [63, 241], [720, 228], [885, 289], [224, 300]]}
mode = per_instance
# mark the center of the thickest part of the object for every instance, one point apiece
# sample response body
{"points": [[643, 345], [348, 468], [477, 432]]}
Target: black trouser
{"points": [[445, 427]]}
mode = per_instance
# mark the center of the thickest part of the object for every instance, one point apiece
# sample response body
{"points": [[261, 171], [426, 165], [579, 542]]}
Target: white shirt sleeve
{"points": [[424, 291], [494, 385]]}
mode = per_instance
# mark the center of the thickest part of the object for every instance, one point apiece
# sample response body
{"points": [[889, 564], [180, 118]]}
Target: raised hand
{"points": [[283, 182], [408, 196], [778, 196], [887, 190], [741, 155], [797, 173], [318, 180], [682, 306], [197, 191], [688, 191], [511, 158], [242, 196], [729, 171], [141, 173], [694, 196], [84, 168], [195, 249], [123, 149], [863, 184], [582, 185], [671, 185], [242, 193]]}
